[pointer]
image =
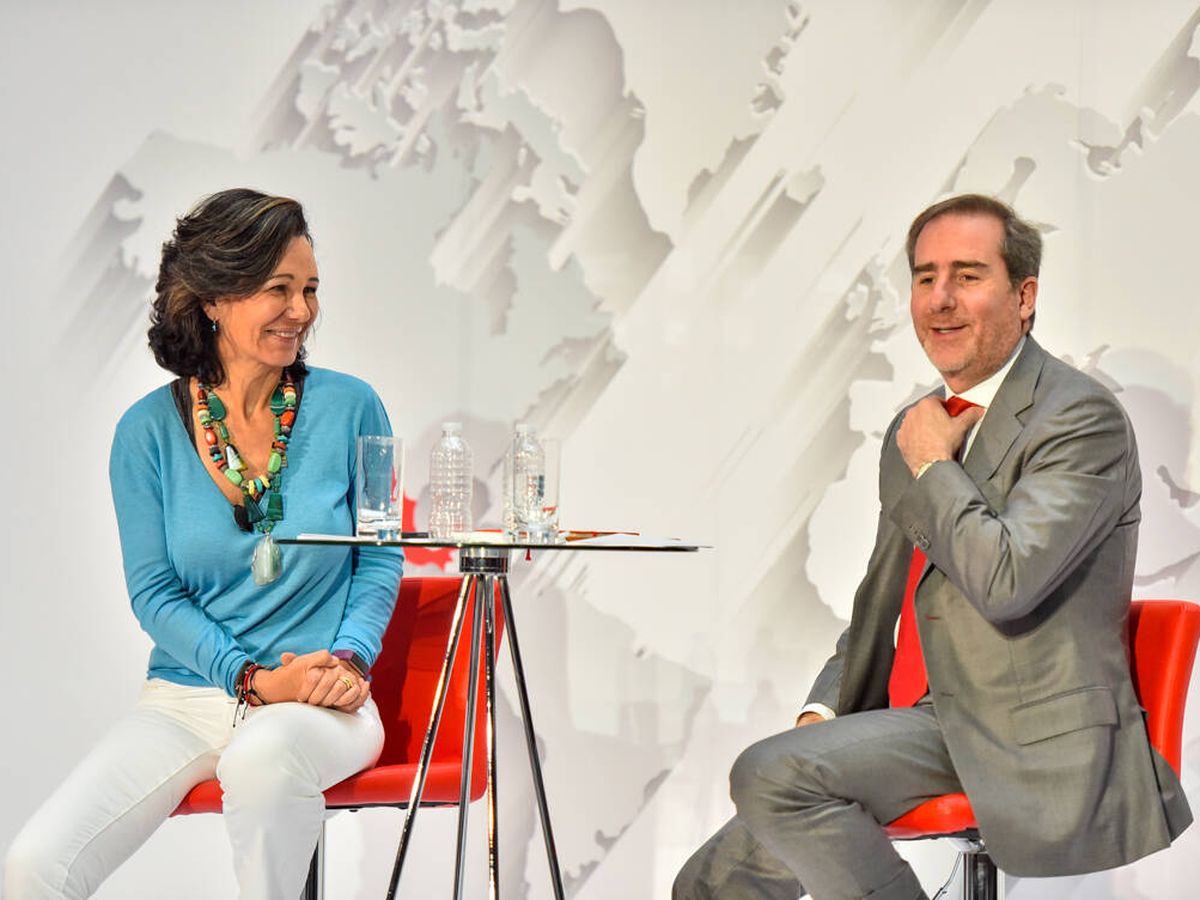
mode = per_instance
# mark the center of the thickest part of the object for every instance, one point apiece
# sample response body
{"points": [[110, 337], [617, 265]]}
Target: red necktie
{"points": [[908, 681]]}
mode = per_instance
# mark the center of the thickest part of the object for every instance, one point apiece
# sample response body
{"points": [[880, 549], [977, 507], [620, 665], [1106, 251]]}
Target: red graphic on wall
{"points": [[423, 556]]}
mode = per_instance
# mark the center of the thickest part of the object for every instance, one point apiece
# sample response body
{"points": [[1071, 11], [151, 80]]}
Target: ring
{"points": [[347, 682]]}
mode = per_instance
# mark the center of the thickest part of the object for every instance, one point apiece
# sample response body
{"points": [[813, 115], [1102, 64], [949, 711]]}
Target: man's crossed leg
{"points": [[809, 805]]}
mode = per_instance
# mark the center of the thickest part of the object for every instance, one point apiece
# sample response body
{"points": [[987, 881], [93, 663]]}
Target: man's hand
{"points": [[809, 718], [928, 434]]}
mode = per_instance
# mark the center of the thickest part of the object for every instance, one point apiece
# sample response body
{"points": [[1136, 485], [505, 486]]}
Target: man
{"points": [[1009, 532]]}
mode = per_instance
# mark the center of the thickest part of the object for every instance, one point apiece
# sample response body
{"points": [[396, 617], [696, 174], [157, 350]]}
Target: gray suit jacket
{"points": [[1022, 615]]}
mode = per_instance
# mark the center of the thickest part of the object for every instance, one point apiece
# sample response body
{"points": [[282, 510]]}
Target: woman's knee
{"points": [[266, 766]]}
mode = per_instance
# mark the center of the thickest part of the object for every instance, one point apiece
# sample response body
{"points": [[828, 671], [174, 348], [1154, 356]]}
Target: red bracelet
{"points": [[244, 691], [248, 692]]}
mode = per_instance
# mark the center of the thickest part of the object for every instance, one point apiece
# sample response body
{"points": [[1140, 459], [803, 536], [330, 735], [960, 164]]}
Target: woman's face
{"points": [[268, 327]]}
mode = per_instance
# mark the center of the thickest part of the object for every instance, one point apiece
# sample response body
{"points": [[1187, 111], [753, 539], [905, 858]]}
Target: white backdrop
{"points": [[669, 233]]}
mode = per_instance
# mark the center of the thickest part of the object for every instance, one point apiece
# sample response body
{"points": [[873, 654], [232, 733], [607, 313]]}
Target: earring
{"points": [[214, 326]]}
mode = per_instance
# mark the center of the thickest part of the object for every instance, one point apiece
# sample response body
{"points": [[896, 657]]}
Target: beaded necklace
{"points": [[267, 562]]}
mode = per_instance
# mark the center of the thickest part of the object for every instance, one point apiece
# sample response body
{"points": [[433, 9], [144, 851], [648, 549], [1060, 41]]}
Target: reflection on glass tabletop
{"points": [[565, 540]]}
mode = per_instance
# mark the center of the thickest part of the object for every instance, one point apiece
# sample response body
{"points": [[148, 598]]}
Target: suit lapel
{"points": [[1002, 423]]}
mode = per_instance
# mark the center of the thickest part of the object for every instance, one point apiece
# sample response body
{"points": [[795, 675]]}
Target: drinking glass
{"points": [[380, 486]]}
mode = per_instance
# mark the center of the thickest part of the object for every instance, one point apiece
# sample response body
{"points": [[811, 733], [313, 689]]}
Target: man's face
{"points": [[967, 315]]}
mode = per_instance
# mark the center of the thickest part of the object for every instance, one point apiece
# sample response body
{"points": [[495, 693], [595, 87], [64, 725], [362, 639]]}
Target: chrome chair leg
{"points": [[981, 879], [314, 887]]}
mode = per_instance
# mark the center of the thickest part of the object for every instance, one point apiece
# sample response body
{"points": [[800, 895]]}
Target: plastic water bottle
{"points": [[508, 516], [529, 481], [450, 484]]}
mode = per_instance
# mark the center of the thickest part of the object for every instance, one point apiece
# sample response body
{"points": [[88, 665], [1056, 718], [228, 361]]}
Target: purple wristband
{"points": [[355, 660]]}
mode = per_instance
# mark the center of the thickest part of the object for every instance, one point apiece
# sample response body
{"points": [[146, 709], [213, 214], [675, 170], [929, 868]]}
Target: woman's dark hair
{"points": [[226, 246]]}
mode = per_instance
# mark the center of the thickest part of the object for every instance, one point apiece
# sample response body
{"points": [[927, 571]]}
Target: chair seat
{"points": [[945, 815], [382, 785]]}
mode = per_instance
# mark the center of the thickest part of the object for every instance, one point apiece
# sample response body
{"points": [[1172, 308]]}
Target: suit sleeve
{"points": [[828, 683], [1078, 480], [827, 687]]}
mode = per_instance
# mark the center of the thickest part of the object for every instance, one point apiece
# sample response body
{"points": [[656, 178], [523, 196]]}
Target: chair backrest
{"points": [[1162, 640], [406, 673]]}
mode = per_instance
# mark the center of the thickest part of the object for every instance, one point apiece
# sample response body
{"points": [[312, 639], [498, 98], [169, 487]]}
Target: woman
{"points": [[259, 669]]}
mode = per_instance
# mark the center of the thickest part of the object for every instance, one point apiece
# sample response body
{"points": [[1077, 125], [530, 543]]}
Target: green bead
{"points": [[234, 476], [274, 461], [254, 512], [275, 508], [215, 407], [205, 417], [277, 404], [223, 431]]}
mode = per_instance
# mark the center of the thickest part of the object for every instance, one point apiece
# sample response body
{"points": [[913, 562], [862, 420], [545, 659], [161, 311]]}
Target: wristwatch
{"points": [[355, 660]]}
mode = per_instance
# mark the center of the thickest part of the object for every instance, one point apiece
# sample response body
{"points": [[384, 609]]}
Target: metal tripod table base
{"points": [[483, 561], [485, 569]]}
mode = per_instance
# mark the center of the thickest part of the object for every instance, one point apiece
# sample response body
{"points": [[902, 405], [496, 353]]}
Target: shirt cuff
{"points": [[820, 709], [925, 466]]}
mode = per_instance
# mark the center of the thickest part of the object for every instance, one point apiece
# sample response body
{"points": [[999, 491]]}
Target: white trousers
{"points": [[273, 767]]}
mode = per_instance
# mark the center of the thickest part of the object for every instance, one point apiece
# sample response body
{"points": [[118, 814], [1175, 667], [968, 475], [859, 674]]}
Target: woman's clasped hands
{"points": [[318, 678]]}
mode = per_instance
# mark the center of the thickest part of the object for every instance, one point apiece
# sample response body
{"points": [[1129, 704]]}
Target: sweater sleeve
{"points": [[375, 572], [162, 605]]}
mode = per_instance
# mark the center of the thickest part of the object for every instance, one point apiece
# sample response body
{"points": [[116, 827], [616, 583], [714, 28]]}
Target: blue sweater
{"points": [[187, 564]]}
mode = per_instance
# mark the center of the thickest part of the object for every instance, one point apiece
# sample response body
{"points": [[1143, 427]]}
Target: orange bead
{"points": [[210, 438], [288, 417]]}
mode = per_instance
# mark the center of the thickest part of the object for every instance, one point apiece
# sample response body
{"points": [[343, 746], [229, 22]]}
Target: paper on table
{"points": [[485, 537], [619, 539], [588, 535]]}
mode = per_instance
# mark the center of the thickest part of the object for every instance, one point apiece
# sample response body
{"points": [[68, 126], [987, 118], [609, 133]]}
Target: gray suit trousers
{"points": [[809, 806]]}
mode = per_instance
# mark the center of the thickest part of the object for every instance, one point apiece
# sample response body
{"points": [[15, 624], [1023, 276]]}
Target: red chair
{"points": [[1163, 635], [404, 680]]}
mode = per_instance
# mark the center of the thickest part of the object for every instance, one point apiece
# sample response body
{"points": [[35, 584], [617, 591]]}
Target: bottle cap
{"points": [[452, 427]]}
